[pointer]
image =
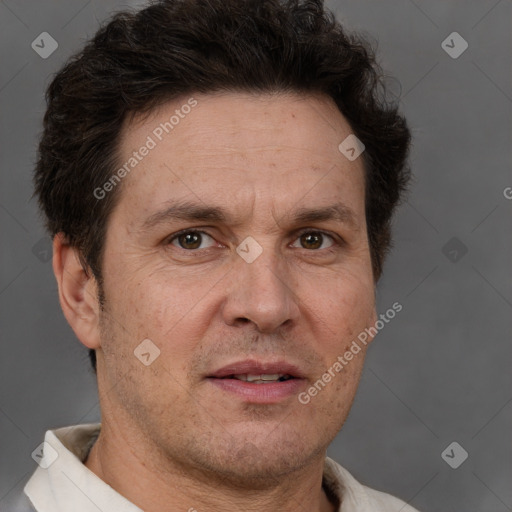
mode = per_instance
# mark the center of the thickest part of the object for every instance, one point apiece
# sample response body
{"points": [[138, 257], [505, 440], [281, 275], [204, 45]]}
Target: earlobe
{"points": [[78, 293]]}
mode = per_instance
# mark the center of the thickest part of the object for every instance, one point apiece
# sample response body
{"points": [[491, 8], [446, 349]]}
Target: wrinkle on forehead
{"points": [[246, 149]]}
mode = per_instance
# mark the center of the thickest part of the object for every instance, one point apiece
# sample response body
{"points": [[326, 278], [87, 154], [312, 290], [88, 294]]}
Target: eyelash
{"points": [[336, 241]]}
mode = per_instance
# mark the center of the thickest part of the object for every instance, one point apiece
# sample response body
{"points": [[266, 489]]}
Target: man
{"points": [[219, 179]]}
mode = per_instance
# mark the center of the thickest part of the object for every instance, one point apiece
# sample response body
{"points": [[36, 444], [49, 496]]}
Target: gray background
{"points": [[439, 372]]}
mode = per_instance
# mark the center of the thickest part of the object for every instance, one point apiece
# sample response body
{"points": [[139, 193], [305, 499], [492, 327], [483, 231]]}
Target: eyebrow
{"points": [[337, 212], [190, 211]]}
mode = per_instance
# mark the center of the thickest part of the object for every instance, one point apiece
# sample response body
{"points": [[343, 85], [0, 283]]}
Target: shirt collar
{"points": [[62, 482]]}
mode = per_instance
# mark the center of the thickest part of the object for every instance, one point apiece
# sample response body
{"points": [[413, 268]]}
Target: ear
{"points": [[78, 292]]}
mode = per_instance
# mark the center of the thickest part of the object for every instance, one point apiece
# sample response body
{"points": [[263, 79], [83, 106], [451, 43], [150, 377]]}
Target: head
{"points": [[223, 119]]}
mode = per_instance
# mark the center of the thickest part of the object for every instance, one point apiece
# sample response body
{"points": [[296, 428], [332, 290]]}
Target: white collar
{"points": [[66, 483]]}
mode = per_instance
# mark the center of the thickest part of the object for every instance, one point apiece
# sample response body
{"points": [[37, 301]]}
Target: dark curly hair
{"points": [[139, 60]]}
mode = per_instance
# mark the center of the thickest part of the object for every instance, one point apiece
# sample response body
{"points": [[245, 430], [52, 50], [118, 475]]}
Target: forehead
{"points": [[241, 148], [211, 118]]}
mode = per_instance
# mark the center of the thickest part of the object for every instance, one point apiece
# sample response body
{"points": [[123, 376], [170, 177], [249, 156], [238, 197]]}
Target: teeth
{"points": [[252, 378], [259, 379]]}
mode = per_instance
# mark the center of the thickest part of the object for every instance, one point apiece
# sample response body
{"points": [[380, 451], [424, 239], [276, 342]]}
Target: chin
{"points": [[260, 459]]}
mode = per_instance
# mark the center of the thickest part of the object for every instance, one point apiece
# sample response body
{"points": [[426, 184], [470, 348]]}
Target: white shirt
{"points": [[62, 483]]}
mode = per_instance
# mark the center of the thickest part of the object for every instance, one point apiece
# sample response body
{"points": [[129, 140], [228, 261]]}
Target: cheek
{"points": [[167, 309], [343, 308], [342, 304], [161, 310]]}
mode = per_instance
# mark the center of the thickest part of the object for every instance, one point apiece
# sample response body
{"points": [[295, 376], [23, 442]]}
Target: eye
{"points": [[314, 240], [189, 240]]}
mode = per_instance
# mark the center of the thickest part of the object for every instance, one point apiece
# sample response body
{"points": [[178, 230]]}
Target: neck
{"points": [[149, 480]]}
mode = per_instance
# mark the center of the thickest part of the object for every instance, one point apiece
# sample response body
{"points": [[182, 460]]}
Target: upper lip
{"points": [[253, 367]]}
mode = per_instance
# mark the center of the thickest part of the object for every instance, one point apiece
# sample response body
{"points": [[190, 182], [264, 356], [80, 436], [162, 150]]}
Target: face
{"points": [[238, 247]]}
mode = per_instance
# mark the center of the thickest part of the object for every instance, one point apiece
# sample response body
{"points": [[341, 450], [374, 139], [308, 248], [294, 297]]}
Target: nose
{"points": [[261, 292]]}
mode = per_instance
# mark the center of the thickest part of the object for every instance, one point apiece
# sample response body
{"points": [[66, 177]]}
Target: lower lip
{"points": [[260, 393]]}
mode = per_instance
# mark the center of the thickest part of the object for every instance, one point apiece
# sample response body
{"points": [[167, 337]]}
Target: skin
{"points": [[171, 440]]}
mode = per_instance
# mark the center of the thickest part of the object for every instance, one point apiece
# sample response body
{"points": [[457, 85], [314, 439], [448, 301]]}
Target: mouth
{"points": [[259, 382], [264, 378]]}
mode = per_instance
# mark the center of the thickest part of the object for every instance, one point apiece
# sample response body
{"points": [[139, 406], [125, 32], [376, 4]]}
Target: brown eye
{"points": [[313, 240], [189, 240]]}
